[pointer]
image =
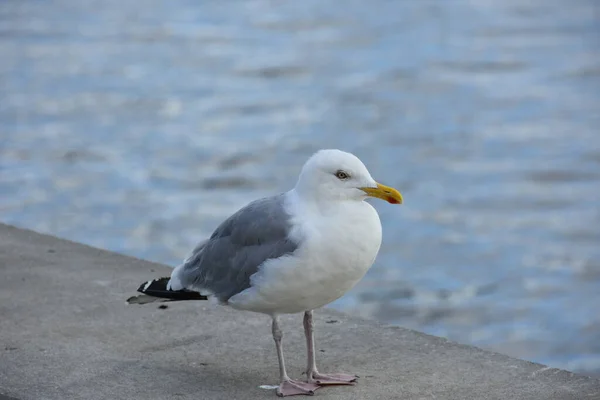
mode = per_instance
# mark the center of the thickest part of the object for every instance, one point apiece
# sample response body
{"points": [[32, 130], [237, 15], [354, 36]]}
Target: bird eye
{"points": [[341, 175]]}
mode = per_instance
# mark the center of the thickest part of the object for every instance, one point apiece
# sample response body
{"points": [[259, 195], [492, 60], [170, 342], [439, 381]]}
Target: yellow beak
{"points": [[383, 192]]}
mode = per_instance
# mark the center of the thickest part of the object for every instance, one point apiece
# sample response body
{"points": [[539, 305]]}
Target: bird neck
{"points": [[316, 204]]}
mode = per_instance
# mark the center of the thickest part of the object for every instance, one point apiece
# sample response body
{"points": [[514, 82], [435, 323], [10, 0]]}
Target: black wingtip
{"points": [[158, 288]]}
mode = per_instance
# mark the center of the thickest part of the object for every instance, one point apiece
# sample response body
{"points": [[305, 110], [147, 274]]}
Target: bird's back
{"points": [[223, 264]]}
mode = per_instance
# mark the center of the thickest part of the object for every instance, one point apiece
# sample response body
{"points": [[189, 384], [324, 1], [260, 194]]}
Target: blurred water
{"points": [[139, 128]]}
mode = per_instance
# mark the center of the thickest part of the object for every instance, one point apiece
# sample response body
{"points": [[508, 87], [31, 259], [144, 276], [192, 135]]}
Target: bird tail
{"points": [[156, 290]]}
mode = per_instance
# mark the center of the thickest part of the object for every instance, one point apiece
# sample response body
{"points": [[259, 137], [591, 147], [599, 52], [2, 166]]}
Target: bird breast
{"points": [[344, 245], [337, 249]]}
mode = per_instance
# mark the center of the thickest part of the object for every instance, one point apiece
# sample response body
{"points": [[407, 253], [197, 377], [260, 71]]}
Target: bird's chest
{"points": [[344, 251], [334, 255], [338, 255]]}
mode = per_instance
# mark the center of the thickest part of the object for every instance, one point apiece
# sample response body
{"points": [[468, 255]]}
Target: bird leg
{"points": [[287, 386], [313, 375]]}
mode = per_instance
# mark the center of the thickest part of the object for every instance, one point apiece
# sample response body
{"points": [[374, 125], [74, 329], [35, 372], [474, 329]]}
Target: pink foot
{"points": [[333, 379], [293, 388]]}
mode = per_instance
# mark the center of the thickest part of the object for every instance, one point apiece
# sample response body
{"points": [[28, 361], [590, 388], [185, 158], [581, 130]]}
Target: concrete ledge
{"points": [[67, 333]]}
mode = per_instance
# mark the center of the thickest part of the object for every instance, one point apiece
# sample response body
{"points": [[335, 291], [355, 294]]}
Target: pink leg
{"points": [[314, 376], [288, 387]]}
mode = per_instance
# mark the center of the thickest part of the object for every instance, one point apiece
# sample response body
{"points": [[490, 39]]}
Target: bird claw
{"points": [[333, 379], [293, 388]]}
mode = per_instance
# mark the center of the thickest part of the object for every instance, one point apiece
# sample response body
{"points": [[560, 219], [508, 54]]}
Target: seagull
{"points": [[290, 253]]}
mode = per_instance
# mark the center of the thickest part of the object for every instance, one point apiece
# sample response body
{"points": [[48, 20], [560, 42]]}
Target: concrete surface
{"points": [[67, 333]]}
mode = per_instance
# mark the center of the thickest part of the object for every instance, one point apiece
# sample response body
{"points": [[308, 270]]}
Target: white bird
{"points": [[290, 253]]}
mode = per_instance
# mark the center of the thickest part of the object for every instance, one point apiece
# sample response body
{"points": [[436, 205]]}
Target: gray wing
{"points": [[224, 263]]}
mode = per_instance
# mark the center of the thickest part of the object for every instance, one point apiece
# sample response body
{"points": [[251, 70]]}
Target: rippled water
{"points": [[139, 128]]}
